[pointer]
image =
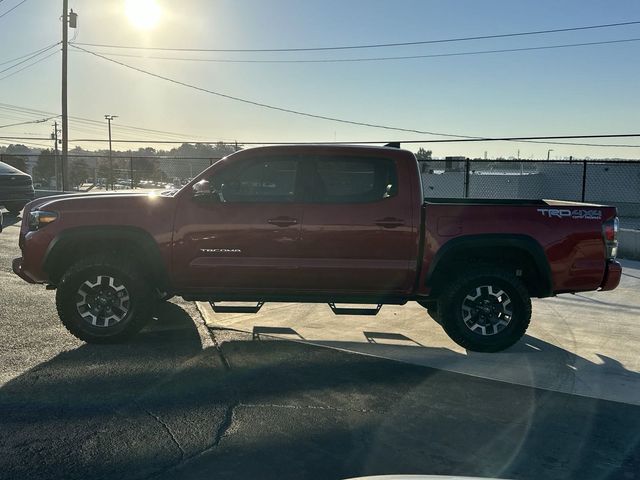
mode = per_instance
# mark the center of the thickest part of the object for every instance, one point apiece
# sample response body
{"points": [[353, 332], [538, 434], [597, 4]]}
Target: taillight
{"points": [[610, 234]]}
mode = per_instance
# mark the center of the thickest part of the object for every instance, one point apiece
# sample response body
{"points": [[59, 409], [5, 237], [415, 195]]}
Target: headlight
{"points": [[39, 219]]}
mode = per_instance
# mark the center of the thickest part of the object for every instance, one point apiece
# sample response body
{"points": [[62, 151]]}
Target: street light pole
{"points": [[110, 179], [548, 153]]}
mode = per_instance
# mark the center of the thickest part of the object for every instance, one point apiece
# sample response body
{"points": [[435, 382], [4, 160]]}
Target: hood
{"points": [[98, 200], [152, 212]]}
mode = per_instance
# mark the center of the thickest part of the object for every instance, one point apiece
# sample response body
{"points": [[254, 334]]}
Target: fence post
{"points": [[584, 178], [466, 178], [131, 172]]}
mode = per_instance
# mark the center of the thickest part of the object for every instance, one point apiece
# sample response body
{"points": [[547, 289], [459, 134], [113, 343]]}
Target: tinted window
{"points": [[354, 180], [264, 180]]}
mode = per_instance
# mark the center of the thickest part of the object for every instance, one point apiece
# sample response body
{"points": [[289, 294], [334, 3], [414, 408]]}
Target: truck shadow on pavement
{"points": [[531, 362], [164, 406]]}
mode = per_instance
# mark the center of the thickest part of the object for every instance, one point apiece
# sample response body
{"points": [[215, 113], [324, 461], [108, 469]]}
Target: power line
{"points": [[375, 45], [271, 107], [537, 139], [25, 138], [29, 65], [43, 49], [376, 59], [39, 52], [31, 144], [12, 9], [18, 116], [474, 139], [551, 140], [296, 112], [25, 123], [90, 122]]}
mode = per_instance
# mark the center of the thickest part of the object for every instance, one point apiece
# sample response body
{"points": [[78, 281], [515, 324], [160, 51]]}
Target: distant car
{"points": [[16, 188]]}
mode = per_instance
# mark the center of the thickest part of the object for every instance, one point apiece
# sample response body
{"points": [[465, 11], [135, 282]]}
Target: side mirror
{"points": [[202, 187], [202, 191]]}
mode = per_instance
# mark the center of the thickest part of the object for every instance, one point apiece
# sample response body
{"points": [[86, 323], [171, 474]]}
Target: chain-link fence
{"points": [[100, 172], [599, 181], [607, 182]]}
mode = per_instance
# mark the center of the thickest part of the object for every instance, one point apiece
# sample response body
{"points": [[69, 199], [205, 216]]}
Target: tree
{"points": [[423, 154], [201, 150], [111, 171], [78, 171], [17, 162], [146, 168], [16, 156], [45, 168]]}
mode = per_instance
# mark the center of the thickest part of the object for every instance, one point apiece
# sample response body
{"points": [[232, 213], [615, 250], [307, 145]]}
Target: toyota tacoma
{"points": [[314, 223]]}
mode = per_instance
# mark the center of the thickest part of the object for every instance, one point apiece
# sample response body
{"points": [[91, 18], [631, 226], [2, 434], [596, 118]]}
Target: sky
{"points": [[566, 91]]}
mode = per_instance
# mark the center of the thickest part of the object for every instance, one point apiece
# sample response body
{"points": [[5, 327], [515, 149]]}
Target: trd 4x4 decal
{"points": [[569, 213]]}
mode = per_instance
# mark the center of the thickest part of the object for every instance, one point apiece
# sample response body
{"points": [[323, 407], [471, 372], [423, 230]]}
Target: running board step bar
{"points": [[354, 311], [236, 308]]}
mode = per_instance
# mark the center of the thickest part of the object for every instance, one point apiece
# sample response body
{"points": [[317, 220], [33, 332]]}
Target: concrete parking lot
{"points": [[187, 401], [586, 344]]}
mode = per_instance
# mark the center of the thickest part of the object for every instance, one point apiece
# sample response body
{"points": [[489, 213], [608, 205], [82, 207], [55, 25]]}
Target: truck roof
{"points": [[325, 147]]}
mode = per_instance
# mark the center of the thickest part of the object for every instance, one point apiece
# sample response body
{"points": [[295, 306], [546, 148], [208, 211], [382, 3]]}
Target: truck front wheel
{"points": [[485, 309], [104, 299]]}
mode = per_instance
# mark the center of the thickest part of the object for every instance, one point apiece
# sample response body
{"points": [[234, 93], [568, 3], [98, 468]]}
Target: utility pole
{"points": [[56, 158], [65, 122], [68, 20], [110, 179]]}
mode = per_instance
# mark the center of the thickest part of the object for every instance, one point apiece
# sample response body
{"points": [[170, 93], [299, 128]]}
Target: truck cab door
{"points": [[244, 236], [358, 234]]}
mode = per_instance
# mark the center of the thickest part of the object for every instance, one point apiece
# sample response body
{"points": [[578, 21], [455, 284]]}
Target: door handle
{"points": [[390, 222], [282, 221]]}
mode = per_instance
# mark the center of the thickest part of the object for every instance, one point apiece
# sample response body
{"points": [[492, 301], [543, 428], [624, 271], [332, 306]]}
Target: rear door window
{"points": [[353, 180]]}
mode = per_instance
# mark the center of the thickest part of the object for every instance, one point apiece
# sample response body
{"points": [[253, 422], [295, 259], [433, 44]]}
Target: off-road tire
{"points": [[450, 304], [141, 298]]}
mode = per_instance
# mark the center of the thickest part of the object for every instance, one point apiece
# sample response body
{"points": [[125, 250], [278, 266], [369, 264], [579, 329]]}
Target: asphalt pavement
{"points": [[186, 401], [585, 344]]}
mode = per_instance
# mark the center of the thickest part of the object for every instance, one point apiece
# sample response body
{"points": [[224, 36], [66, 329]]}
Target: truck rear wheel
{"points": [[104, 299], [485, 309]]}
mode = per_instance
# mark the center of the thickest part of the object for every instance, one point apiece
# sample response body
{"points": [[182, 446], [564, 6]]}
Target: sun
{"points": [[143, 14]]}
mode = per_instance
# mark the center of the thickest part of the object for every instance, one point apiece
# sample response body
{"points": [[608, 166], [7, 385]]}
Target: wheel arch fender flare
{"points": [[461, 246], [66, 242]]}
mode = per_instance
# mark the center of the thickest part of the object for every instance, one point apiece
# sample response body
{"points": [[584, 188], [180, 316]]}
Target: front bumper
{"points": [[612, 275], [17, 266]]}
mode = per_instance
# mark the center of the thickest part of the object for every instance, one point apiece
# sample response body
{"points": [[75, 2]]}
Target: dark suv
{"points": [[16, 188]]}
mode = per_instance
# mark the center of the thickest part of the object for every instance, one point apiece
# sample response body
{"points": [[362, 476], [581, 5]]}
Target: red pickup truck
{"points": [[314, 223]]}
